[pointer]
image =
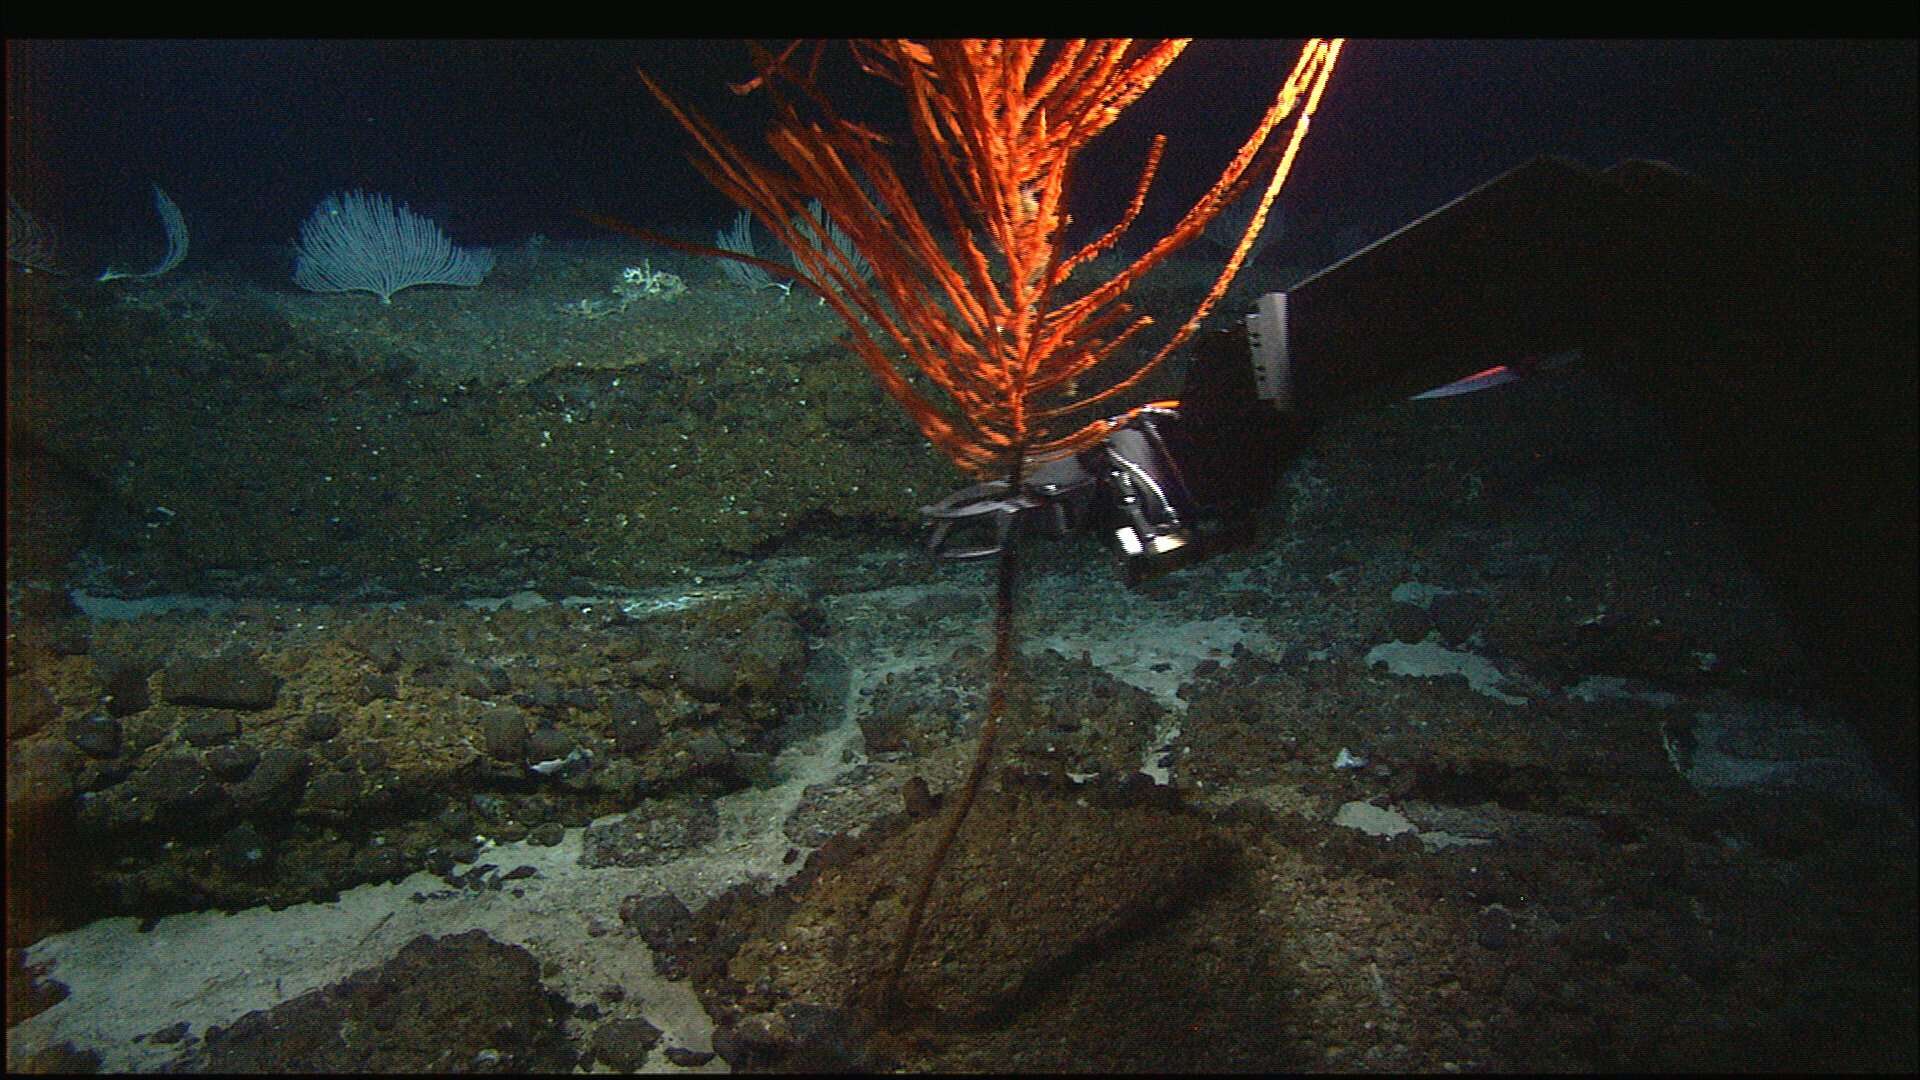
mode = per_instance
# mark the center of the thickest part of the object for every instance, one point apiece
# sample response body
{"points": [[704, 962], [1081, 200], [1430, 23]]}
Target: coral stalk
{"points": [[967, 319]]}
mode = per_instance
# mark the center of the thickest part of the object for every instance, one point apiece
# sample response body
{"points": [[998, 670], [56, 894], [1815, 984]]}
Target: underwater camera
{"points": [[1171, 483], [1129, 483]]}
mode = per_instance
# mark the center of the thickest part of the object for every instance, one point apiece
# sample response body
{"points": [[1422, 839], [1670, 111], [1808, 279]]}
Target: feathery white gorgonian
{"points": [[356, 242]]}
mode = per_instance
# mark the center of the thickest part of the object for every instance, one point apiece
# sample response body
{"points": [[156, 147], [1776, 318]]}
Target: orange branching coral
{"points": [[971, 291]]}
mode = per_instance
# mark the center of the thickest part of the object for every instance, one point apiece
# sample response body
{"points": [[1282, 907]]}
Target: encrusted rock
{"points": [[211, 730], [623, 1044], [232, 762], [660, 918], [1048, 875], [440, 1004], [126, 689], [504, 731], [657, 831], [333, 793], [703, 675], [635, 726], [222, 682], [276, 780], [550, 744], [320, 726], [98, 735], [178, 783]]}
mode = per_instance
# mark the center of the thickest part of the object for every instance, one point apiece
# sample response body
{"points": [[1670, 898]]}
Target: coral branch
{"points": [[980, 307]]}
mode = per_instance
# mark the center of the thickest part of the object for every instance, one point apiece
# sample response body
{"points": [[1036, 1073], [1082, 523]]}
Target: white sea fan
{"points": [[356, 242], [176, 225]]}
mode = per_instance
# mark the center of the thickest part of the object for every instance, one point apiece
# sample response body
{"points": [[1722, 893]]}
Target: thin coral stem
{"points": [[1003, 655]]}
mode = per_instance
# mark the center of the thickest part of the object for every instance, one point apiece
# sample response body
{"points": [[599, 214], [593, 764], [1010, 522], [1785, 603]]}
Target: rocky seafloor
{"points": [[1494, 756]]}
